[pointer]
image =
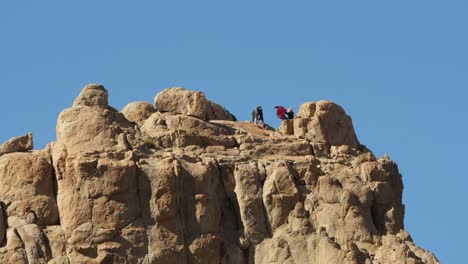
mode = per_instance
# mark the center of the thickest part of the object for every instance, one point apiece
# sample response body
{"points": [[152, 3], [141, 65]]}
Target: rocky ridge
{"points": [[181, 181]]}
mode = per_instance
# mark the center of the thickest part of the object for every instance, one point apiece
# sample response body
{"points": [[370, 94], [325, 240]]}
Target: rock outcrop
{"points": [[181, 181], [181, 101], [17, 144]]}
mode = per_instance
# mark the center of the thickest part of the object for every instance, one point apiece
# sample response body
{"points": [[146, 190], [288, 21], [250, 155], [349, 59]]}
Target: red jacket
{"points": [[280, 111]]}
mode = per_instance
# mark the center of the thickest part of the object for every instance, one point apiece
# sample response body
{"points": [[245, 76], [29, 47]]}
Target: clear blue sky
{"points": [[399, 68]]}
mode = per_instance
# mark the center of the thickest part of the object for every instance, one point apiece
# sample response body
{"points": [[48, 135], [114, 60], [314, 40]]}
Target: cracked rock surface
{"points": [[181, 181]]}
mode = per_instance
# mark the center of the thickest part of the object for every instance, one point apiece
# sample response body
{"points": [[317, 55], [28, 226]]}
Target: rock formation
{"points": [[181, 181]]}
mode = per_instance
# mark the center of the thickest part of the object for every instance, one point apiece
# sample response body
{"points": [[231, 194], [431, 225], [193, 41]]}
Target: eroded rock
{"points": [[181, 101], [17, 144], [181, 182]]}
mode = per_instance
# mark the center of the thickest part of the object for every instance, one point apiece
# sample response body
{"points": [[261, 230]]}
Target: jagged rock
{"points": [[170, 184], [17, 144], [138, 111], [27, 187], [280, 194], [181, 101], [248, 191]]}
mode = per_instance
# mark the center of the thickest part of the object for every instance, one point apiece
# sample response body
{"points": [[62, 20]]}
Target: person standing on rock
{"points": [[257, 115], [280, 112], [289, 113]]}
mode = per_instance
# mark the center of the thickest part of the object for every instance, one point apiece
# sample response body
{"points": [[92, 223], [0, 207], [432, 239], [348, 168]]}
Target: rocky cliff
{"points": [[181, 181]]}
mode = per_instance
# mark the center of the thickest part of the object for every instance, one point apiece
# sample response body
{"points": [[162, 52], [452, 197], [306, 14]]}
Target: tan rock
{"points": [[166, 244], [17, 144], [14, 257], [280, 194], [2, 227], [329, 189], [325, 122], [177, 186], [180, 131], [249, 196], [99, 188], [27, 187], [205, 249], [93, 95], [329, 252], [57, 243], [35, 243], [274, 250], [181, 101], [138, 111], [91, 129], [287, 127], [159, 188]]}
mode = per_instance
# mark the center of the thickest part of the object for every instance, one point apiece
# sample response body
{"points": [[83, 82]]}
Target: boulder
{"points": [[17, 144], [181, 101], [93, 95], [91, 125], [138, 111], [325, 122]]}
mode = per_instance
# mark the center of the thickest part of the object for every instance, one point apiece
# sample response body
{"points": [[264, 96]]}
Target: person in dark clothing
{"points": [[289, 113], [280, 112], [257, 115]]}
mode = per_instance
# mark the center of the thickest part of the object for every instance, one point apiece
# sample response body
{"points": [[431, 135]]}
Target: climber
{"points": [[257, 115], [289, 113], [280, 111]]}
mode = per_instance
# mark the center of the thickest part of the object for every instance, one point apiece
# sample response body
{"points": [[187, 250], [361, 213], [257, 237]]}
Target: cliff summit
{"points": [[181, 181]]}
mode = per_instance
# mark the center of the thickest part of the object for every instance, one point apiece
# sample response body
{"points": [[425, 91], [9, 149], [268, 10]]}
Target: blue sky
{"points": [[399, 68]]}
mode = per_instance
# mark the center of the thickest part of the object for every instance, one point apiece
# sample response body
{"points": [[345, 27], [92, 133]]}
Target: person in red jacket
{"points": [[280, 112]]}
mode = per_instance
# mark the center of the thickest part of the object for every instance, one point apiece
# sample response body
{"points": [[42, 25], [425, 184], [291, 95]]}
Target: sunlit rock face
{"points": [[181, 181]]}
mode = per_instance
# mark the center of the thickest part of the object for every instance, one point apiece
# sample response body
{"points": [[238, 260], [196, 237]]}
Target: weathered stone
{"points": [[174, 185], [159, 188], [287, 127], [100, 188], [249, 196], [280, 194], [28, 188], [181, 101], [205, 249], [93, 95], [138, 111], [17, 144], [180, 131], [56, 238], [2, 226], [325, 122], [274, 251], [166, 244], [35, 243]]}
